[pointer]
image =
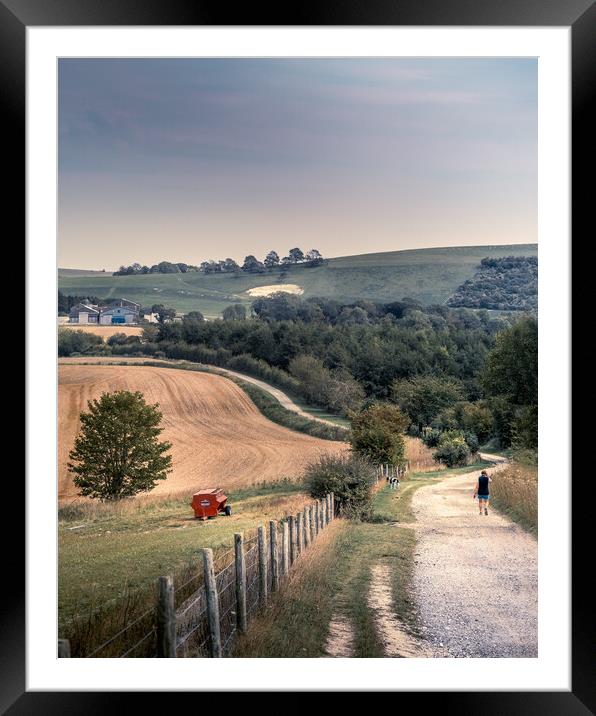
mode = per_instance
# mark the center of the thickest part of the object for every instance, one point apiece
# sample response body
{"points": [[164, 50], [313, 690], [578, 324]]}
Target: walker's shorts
{"points": [[483, 497]]}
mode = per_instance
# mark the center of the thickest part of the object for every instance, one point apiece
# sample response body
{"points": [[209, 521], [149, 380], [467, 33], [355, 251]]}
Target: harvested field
{"points": [[104, 331], [219, 437]]}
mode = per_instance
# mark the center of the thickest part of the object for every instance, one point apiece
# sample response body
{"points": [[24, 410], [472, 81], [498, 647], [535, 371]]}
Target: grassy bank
{"points": [[514, 492], [274, 410], [335, 580]]}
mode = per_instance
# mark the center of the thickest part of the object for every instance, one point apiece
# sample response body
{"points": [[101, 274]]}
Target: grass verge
{"points": [[514, 492], [335, 579]]}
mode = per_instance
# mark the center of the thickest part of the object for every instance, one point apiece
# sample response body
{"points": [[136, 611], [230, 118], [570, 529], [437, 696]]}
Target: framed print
{"points": [[303, 387]]}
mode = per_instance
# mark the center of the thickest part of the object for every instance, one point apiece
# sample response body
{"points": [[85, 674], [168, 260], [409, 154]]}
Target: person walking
{"points": [[482, 491]]}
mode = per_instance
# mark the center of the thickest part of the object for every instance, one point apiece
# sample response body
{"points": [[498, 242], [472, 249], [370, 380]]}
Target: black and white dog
{"points": [[394, 482]]}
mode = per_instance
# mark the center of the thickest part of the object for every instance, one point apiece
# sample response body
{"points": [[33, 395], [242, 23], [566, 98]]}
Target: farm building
{"points": [[84, 313], [120, 311]]}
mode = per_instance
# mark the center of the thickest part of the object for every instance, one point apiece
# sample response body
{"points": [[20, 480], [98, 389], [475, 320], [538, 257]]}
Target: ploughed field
{"points": [[219, 437]]}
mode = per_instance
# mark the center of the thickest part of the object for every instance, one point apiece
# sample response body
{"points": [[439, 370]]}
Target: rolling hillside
{"points": [[427, 275], [219, 437]]}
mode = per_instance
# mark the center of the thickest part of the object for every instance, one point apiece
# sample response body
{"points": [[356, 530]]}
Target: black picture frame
{"points": [[579, 15]]}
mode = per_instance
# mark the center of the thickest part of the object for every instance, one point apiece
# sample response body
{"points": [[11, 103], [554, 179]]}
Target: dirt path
{"points": [[475, 577]]}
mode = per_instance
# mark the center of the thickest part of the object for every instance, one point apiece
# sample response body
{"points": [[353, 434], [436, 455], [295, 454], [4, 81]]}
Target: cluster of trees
{"points": [[507, 284], [335, 389], [79, 342], [288, 307], [251, 264], [506, 408], [162, 267], [341, 365], [65, 302], [271, 262]]}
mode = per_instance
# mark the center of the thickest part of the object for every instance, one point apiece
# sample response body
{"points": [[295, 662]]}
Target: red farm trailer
{"points": [[210, 503]]}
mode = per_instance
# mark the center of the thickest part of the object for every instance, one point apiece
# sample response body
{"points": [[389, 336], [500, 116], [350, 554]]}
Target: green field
{"points": [[426, 275], [107, 550]]}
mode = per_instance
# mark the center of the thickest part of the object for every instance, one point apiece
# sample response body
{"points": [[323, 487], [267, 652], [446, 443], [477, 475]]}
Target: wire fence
{"points": [[215, 601]]}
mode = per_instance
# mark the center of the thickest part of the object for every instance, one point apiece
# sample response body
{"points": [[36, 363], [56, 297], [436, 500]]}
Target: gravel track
{"points": [[475, 579]]}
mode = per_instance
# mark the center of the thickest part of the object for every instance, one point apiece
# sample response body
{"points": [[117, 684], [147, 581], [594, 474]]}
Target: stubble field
{"points": [[219, 437]]}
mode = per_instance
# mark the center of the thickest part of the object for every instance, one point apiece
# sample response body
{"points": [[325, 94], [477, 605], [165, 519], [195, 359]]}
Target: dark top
{"points": [[483, 485]]}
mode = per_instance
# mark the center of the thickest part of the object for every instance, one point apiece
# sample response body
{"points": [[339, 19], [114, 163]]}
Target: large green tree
{"points": [[377, 433], [425, 396], [234, 312], [511, 367], [117, 452], [511, 376]]}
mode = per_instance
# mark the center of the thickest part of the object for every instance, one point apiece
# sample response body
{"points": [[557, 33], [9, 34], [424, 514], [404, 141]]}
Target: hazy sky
{"points": [[188, 160]]}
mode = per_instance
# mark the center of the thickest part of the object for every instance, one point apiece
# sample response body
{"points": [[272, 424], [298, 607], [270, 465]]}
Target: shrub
{"points": [[350, 477], [378, 434], [117, 339], [472, 442], [431, 437], [452, 449], [72, 341], [235, 312]]}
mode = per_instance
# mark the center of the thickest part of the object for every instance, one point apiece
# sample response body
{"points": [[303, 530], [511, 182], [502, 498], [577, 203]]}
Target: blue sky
{"points": [[194, 159]]}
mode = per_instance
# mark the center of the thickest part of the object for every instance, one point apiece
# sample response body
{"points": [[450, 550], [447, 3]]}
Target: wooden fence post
{"points": [[322, 513], [241, 620], [298, 534], [262, 542], [165, 618], [285, 548], [274, 556], [332, 505], [212, 604], [292, 540], [306, 526], [313, 531], [317, 518], [63, 649]]}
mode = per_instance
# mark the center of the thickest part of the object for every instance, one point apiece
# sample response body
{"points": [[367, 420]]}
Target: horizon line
{"points": [[343, 256]]}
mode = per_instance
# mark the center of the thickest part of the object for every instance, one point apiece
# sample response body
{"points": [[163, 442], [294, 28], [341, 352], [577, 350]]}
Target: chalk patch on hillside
{"points": [[292, 288]]}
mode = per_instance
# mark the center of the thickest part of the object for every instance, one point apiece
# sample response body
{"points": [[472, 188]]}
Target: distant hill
{"points": [[426, 275], [81, 272]]}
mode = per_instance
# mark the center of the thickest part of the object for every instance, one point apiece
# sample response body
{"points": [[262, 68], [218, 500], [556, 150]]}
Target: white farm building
{"points": [[119, 312]]}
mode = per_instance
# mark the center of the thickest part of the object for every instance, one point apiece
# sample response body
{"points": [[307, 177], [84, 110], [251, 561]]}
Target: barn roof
{"points": [[84, 308]]}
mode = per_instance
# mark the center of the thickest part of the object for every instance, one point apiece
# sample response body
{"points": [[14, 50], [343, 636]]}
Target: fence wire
{"points": [[225, 582], [252, 579], [139, 638]]}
